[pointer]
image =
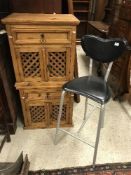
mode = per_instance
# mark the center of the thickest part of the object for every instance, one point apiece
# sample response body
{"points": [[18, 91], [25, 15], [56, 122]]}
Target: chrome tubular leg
{"points": [[86, 101], [98, 135], [59, 115], [84, 122], [103, 117], [85, 116]]}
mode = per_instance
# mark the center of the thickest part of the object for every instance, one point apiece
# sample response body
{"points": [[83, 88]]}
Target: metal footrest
{"points": [[78, 138]]}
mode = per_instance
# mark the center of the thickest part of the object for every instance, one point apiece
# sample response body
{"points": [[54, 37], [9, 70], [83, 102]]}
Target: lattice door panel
{"points": [[66, 119], [58, 64], [30, 64], [37, 112], [55, 111]]}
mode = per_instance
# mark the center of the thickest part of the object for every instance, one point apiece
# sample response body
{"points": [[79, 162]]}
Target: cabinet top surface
{"points": [[33, 18]]}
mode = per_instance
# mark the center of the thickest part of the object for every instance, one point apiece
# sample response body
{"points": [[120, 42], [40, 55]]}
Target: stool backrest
{"points": [[103, 50]]}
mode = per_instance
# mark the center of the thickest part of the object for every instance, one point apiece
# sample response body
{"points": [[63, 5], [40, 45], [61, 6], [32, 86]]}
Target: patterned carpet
{"points": [[106, 169]]}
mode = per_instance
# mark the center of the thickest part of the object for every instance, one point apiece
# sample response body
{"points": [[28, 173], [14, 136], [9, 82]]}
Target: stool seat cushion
{"points": [[95, 88]]}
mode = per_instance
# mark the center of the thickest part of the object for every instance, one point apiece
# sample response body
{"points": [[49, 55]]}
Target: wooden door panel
{"points": [[57, 63], [66, 118], [37, 113], [30, 63]]}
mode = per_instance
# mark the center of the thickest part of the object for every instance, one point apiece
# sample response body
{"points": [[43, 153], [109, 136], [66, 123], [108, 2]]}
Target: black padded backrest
{"points": [[103, 50]]}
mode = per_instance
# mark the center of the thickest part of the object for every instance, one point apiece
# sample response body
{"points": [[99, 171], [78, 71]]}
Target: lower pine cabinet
{"points": [[40, 109]]}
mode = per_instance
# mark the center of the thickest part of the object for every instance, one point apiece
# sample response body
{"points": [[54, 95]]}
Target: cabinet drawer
{"points": [[33, 95], [32, 36], [57, 95]]}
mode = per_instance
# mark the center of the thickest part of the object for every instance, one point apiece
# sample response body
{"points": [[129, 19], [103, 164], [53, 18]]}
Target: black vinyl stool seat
{"points": [[93, 87]]}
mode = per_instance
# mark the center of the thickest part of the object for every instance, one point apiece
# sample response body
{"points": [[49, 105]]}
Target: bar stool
{"points": [[93, 87]]}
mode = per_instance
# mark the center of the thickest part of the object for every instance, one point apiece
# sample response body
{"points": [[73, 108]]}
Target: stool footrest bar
{"points": [[76, 137]]}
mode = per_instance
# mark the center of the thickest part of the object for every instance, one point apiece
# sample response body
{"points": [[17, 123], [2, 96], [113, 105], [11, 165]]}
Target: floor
{"points": [[114, 146]]}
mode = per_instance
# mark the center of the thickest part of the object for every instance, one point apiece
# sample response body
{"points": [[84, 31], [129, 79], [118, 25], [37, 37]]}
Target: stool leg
{"points": [[86, 117], [59, 115], [86, 102], [103, 118], [98, 134]]}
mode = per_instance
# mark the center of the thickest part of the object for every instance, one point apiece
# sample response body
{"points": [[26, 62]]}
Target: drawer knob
{"points": [[23, 97], [42, 38]]}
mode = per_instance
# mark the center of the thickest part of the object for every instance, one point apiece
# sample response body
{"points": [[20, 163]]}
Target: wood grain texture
{"points": [[43, 53], [49, 19]]}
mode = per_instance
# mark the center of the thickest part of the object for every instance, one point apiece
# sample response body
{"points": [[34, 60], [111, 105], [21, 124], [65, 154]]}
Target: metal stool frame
{"points": [[100, 120]]}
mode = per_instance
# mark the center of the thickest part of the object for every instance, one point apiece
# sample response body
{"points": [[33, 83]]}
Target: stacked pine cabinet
{"points": [[43, 54]]}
